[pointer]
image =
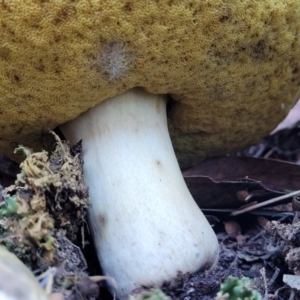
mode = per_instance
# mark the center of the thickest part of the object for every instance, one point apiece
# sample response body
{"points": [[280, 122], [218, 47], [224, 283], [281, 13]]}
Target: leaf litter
{"points": [[43, 219], [261, 244]]}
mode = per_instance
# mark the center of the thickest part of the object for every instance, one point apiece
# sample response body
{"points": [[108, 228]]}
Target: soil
{"points": [[262, 245]]}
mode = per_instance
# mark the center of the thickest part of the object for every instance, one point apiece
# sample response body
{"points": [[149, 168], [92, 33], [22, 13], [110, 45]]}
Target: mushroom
{"points": [[145, 223], [16, 280], [223, 74]]}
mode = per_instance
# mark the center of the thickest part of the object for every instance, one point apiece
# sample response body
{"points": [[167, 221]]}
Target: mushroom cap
{"points": [[231, 67]]}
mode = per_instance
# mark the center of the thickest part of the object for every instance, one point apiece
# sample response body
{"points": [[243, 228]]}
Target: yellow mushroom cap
{"points": [[231, 67]]}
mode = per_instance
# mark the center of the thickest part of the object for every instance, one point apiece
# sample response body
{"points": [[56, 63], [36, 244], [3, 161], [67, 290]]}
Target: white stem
{"points": [[145, 223]]}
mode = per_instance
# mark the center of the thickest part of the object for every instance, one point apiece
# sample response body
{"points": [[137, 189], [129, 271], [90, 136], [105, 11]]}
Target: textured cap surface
{"points": [[231, 67]]}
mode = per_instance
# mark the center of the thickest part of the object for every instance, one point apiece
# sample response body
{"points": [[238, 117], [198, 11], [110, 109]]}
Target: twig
{"points": [[46, 279], [292, 295], [274, 277], [262, 204], [254, 238], [276, 294], [98, 278], [58, 140], [263, 274]]}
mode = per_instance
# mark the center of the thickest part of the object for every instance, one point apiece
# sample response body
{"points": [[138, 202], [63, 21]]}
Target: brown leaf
{"points": [[275, 175], [232, 228], [211, 194], [262, 221]]}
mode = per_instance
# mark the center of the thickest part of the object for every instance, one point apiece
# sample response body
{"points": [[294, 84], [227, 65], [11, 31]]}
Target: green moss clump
{"points": [[154, 294], [237, 289]]}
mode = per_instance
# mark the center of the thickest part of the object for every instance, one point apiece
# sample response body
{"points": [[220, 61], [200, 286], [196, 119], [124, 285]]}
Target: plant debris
{"points": [[43, 219], [264, 256], [235, 289], [151, 294], [283, 145], [262, 245]]}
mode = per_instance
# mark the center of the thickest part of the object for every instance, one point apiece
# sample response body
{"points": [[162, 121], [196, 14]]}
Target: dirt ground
{"points": [[262, 243]]}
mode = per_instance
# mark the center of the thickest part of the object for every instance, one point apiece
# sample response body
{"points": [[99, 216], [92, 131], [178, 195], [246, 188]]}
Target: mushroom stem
{"points": [[146, 226]]}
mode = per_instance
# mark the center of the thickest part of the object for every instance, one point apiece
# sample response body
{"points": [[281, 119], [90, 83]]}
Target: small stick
{"points": [[292, 295], [274, 277], [271, 201], [263, 274]]}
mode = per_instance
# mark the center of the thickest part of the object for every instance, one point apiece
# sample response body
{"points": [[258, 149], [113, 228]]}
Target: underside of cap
{"points": [[232, 69]]}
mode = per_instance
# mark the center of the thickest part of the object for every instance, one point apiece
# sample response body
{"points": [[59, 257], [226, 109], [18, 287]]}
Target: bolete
{"points": [[231, 73]]}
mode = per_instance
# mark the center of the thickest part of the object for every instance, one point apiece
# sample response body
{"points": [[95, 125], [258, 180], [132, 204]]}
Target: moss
{"points": [[48, 201], [237, 289]]}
